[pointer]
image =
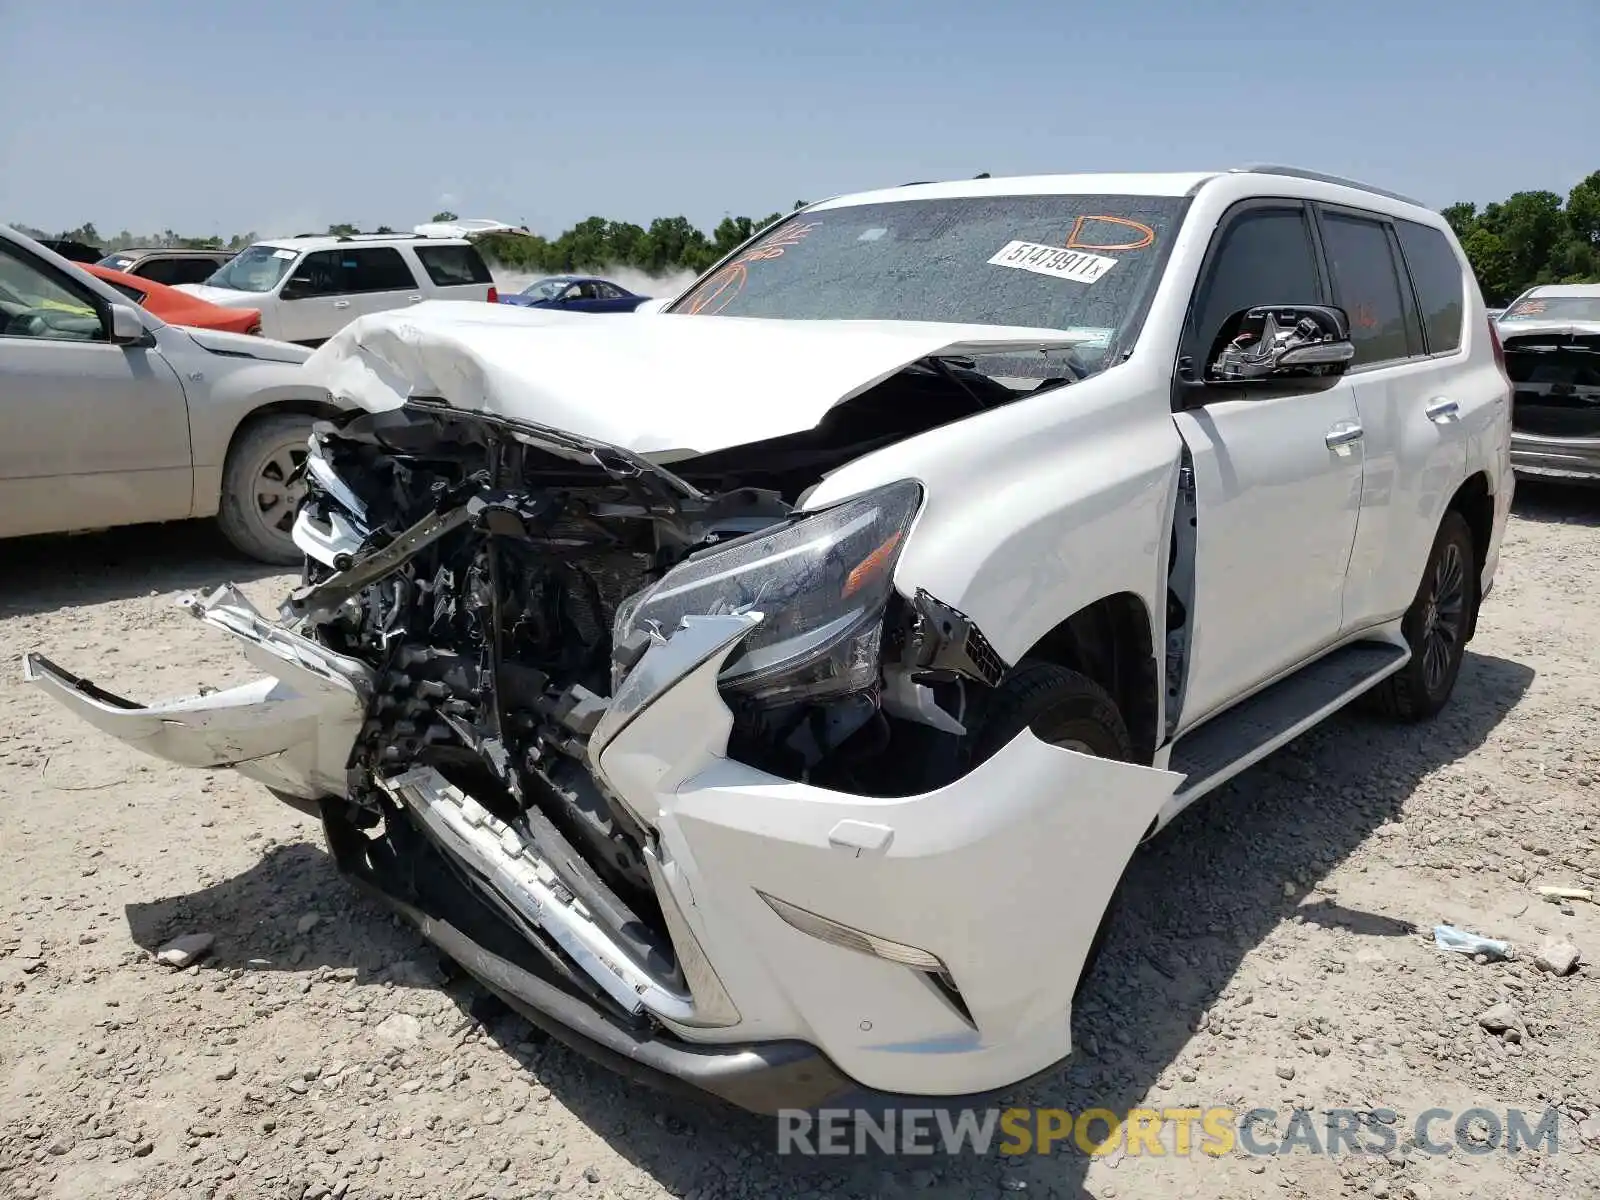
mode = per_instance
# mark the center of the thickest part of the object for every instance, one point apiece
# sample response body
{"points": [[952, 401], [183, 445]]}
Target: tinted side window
{"points": [[193, 270], [453, 266], [1265, 257], [320, 274], [377, 269], [160, 270], [1366, 285], [1436, 271]]}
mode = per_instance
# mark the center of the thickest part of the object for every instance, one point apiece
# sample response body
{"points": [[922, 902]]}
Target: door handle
{"points": [[414, 299], [1442, 411], [341, 304], [1343, 434]]}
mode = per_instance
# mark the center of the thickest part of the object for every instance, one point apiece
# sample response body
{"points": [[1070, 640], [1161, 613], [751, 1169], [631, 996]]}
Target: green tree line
{"points": [[1526, 239], [668, 244], [1531, 238]]}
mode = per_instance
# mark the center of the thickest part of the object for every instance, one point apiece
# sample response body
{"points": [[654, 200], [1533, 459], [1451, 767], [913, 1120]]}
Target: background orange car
{"points": [[178, 308]]}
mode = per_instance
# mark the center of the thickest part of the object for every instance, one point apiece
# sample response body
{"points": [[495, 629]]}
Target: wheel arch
{"points": [[1475, 502], [295, 405], [1112, 641]]}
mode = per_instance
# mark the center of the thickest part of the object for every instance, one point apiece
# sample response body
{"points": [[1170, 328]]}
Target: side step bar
{"points": [[1243, 735]]}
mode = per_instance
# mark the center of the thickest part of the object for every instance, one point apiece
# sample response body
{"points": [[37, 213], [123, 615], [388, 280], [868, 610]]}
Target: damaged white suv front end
{"points": [[662, 726]]}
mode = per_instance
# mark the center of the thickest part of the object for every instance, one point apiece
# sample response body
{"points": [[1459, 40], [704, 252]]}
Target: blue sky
{"points": [[287, 115]]}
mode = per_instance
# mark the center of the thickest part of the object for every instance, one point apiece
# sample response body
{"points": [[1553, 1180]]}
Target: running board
{"points": [[1245, 734]]}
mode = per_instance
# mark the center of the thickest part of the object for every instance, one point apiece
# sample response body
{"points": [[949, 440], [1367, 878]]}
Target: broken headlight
{"points": [[820, 584]]}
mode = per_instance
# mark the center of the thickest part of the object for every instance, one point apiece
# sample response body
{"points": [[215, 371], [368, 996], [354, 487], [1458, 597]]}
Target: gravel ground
{"points": [[1268, 954]]}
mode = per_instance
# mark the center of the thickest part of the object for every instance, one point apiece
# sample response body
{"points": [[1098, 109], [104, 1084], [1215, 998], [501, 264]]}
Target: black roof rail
{"points": [[1322, 177]]}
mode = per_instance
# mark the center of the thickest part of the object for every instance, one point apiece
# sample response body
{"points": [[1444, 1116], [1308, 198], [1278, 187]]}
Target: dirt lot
{"points": [[1274, 952]]}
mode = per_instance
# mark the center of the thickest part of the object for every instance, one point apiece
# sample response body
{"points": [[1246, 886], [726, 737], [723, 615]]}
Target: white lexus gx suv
{"points": [[767, 693]]}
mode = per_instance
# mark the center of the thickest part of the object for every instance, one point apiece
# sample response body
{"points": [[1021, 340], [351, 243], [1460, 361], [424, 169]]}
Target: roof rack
{"points": [[356, 237], [1321, 177]]}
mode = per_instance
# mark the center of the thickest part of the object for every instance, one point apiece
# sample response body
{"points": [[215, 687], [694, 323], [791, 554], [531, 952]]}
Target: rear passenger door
{"points": [[378, 279], [1409, 361]]}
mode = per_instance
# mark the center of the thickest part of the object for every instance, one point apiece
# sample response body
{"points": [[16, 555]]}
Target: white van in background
{"points": [[309, 288]]}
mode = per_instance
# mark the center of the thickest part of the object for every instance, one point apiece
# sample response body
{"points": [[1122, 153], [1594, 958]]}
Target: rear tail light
{"points": [[494, 294], [1499, 350], [1500, 360]]}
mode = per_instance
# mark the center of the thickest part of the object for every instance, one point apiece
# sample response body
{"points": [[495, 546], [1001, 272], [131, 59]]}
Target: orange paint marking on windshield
{"points": [[1146, 235], [722, 288]]}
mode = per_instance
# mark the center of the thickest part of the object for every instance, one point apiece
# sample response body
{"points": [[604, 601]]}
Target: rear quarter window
{"points": [[453, 266], [1440, 285]]}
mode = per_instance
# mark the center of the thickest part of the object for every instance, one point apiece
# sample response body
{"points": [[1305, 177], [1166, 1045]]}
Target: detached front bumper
{"points": [[291, 731], [1566, 458], [838, 948]]}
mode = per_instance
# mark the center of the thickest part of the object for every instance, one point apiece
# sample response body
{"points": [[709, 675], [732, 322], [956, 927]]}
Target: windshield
{"points": [[1554, 308], [545, 289], [1081, 264], [256, 269], [115, 262]]}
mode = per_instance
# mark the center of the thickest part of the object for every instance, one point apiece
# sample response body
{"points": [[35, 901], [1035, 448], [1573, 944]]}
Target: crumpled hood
{"points": [[660, 385]]}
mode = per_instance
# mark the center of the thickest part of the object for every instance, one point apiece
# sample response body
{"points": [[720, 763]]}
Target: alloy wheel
{"points": [[1443, 617], [278, 489]]}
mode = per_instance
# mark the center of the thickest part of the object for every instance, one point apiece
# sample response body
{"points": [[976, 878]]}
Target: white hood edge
{"points": [[248, 345], [659, 385]]}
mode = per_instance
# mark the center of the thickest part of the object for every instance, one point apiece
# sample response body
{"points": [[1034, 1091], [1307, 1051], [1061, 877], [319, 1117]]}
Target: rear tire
{"points": [[1065, 709], [258, 500], [1435, 627]]}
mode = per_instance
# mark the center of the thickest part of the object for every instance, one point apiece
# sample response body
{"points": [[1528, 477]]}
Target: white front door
{"points": [[1277, 476], [313, 303]]}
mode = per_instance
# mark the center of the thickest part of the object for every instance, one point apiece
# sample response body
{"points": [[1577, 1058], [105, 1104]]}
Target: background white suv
{"points": [[309, 288]]}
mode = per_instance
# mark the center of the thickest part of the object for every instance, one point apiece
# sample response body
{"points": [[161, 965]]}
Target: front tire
{"points": [[1065, 709], [260, 495], [1435, 627]]}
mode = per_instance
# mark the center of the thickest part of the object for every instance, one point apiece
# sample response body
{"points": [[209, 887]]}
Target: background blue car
{"points": [[576, 293]]}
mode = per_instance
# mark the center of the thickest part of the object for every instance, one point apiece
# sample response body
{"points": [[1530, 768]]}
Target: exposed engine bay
{"points": [[501, 579]]}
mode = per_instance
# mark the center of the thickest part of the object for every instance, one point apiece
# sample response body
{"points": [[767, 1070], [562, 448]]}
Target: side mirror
{"points": [[127, 328], [1284, 341], [294, 289]]}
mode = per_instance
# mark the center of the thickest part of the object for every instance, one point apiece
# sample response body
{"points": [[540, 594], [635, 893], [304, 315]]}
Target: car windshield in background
{"points": [[545, 289], [116, 262], [255, 269], [1554, 308], [1081, 264]]}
